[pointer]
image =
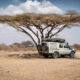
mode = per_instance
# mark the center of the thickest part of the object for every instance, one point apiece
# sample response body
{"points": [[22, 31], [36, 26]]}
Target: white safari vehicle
{"points": [[56, 48]]}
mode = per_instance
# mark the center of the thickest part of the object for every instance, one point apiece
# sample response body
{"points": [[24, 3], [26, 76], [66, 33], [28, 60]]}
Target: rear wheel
{"points": [[55, 55], [72, 55]]}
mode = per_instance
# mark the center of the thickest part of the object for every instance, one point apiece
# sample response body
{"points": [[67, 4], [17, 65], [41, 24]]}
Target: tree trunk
{"points": [[39, 49]]}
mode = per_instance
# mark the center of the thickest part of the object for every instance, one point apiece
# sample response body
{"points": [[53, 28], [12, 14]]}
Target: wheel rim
{"points": [[55, 55], [72, 55]]}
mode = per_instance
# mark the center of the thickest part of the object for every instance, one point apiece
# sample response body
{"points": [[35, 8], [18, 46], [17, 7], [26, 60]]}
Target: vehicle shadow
{"points": [[76, 58]]}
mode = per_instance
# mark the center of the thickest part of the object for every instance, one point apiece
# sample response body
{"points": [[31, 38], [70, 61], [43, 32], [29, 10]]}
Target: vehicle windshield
{"points": [[64, 45]]}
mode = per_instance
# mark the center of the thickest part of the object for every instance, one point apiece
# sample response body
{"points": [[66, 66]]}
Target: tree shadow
{"points": [[76, 58], [36, 56], [26, 56]]}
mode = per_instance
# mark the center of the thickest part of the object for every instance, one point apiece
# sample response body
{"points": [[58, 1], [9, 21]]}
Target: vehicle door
{"points": [[61, 48], [66, 49]]}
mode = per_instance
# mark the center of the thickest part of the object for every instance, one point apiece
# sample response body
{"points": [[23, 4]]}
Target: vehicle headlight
{"points": [[73, 49]]}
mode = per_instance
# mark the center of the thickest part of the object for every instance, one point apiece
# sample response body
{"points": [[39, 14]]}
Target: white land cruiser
{"points": [[56, 48]]}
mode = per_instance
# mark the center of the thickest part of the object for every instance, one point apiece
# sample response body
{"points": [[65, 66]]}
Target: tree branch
{"points": [[39, 27], [22, 30], [58, 31], [52, 27], [28, 27]]}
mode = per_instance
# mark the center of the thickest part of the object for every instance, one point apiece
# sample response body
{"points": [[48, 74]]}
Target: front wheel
{"points": [[45, 56], [72, 55], [55, 55]]}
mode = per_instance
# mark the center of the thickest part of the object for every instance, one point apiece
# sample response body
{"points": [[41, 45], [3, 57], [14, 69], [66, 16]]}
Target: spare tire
{"points": [[39, 47], [44, 48]]}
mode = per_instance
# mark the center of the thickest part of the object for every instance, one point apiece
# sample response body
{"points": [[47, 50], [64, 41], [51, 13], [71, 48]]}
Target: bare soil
{"points": [[31, 66]]}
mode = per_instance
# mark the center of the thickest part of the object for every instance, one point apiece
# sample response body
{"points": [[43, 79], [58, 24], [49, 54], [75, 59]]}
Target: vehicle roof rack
{"points": [[54, 40]]}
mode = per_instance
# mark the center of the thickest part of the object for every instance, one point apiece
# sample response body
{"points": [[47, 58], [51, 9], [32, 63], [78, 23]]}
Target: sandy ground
{"points": [[38, 68]]}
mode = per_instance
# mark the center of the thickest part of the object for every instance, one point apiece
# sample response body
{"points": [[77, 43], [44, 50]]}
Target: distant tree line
{"points": [[27, 45], [76, 46]]}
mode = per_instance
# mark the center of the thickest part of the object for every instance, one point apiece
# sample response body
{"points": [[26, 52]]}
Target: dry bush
{"points": [[3, 47], [76, 46]]}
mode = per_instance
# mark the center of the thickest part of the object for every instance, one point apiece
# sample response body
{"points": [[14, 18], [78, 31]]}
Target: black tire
{"points": [[62, 56], [45, 56], [72, 55], [44, 48], [55, 55]]}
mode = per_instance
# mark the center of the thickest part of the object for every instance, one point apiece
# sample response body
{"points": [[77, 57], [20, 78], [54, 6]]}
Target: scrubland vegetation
{"points": [[24, 46]]}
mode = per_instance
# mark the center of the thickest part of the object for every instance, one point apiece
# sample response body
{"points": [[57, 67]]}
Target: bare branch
{"points": [[24, 31], [28, 27], [52, 28], [58, 31]]}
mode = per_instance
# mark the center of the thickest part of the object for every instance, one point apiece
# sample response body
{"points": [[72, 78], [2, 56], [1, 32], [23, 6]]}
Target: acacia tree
{"points": [[40, 26], [71, 12]]}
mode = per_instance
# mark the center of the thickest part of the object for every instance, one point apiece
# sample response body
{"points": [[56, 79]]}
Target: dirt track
{"points": [[38, 68]]}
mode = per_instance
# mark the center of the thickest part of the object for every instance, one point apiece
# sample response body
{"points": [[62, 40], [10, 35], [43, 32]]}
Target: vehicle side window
{"points": [[66, 46], [61, 46]]}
